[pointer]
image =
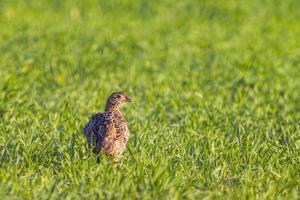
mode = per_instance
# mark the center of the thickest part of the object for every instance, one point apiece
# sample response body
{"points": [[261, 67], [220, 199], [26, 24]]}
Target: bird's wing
{"points": [[106, 134], [92, 128], [94, 123]]}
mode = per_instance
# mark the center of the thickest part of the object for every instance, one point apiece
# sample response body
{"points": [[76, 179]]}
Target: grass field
{"points": [[215, 88]]}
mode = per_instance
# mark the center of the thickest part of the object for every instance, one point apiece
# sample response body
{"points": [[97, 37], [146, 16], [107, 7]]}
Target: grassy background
{"points": [[215, 85]]}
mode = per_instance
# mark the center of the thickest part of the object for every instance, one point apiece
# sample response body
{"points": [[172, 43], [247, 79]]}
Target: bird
{"points": [[108, 131]]}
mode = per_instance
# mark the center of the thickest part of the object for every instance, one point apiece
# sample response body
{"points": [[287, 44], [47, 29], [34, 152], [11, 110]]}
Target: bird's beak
{"points": [[128, 99]]}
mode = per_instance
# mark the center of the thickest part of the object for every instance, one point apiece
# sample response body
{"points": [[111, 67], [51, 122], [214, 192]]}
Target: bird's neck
{"points": [[113, 108]]}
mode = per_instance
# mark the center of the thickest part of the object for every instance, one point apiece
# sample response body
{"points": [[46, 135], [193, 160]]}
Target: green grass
{"points": [[215, 85]]}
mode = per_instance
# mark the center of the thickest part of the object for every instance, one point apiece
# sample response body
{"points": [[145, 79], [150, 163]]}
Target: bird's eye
{"points": [[118, 96]]}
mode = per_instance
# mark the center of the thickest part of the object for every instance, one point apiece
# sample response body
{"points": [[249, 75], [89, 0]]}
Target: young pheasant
{"points": [[108, 130]]}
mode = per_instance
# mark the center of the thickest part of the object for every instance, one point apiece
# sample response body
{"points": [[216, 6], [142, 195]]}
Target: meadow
{"points": [[215, 88]]}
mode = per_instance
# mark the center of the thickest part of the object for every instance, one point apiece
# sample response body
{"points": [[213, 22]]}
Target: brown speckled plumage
{"points": [[108, 130]]}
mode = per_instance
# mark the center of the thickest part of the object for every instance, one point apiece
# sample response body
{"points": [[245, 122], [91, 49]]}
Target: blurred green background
{"points": [[215, 88]]}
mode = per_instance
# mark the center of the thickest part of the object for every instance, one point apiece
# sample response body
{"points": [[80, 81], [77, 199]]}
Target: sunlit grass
{"points": [[215, 89]]}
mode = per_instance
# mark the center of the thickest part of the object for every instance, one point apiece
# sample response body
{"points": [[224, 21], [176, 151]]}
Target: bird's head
{"points": [[116, 99]]}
